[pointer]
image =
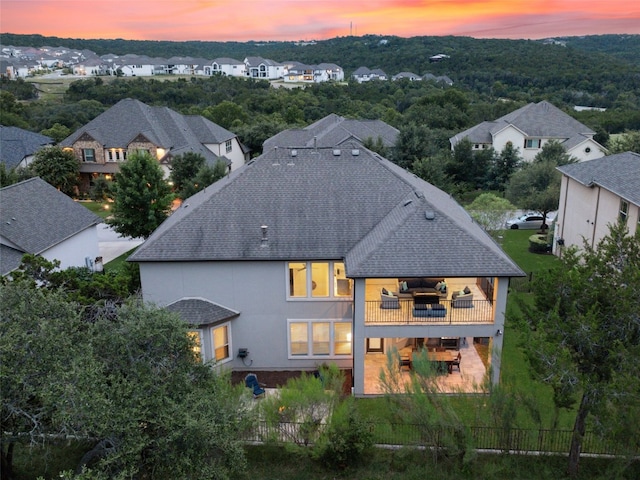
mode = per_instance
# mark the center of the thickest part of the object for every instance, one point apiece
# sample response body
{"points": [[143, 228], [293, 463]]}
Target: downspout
{"points": [[564, 213], [595, 220]]}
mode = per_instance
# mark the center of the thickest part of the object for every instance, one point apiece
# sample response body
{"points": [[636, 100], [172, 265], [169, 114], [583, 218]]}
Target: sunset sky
{"points": [[242, 20]]}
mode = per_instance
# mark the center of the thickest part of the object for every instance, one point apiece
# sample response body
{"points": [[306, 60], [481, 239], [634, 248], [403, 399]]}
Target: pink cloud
{"points": [[243, 20]]}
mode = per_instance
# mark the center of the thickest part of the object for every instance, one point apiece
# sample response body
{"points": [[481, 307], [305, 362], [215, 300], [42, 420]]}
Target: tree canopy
{"points": [[57, 167], [142, 198], [584, 336]]}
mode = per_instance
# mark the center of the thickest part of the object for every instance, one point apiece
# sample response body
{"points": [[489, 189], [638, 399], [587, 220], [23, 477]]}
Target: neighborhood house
{"points": [[131, 126]]}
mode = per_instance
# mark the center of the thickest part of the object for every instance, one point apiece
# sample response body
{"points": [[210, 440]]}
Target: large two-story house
{"points": [[131, 126], [529, 128], [310, 255], [263, 68], [594, 195]]}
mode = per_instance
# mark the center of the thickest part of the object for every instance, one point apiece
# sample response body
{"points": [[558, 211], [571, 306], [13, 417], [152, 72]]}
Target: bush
{"points": [[539, 244], [346, 439]]}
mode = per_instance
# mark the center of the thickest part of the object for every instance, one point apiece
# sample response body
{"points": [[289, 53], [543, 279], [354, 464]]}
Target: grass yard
{"points": [[99, 208]]}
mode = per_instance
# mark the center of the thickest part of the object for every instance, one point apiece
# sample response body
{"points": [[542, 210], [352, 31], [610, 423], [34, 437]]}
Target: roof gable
{"points": [[35, 216], [619, 173]]}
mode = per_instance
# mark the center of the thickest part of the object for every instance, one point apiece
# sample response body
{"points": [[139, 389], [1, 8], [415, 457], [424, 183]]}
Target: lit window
{"points": [[624, 211], [221, 348], [196, 337], [228, 145], [319, 338], [88, 155], [318, 280]]}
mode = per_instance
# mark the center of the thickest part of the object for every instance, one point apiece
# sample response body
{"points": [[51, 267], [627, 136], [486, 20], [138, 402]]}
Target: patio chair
{"points": [[251, 381], [456, 362]]}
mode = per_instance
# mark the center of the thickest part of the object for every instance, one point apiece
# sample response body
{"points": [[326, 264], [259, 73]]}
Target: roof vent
{"points": [[336, 152], [355, 152], [265, 240], [294, 153], [429, 215], [408, 202]]}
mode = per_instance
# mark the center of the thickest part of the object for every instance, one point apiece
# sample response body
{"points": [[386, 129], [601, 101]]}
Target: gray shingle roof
{"points": [[333, 130], [319, 205], [166, 128], [16, 144], [198, 311], [34, 216], [540, 119], [618, 173]]}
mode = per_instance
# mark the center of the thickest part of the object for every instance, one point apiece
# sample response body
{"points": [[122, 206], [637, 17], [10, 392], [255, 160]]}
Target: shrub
{"points": [[346, 439], [539, 244]]}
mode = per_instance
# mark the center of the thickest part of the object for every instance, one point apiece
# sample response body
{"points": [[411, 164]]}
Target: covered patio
{"points": [[466, 379]]}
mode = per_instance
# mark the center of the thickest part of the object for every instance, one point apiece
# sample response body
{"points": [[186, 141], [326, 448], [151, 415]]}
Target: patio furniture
{"points": [[251, 381], [389, 300], [462, 299], [436, 310], [456, 363], [423, 299]]}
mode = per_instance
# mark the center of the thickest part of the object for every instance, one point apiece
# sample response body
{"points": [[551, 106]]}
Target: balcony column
{"points": [[358, 336], [500, 306]]}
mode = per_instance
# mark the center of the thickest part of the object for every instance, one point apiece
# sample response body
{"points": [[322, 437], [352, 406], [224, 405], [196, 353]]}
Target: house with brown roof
{"points": [[307, 255], [131, 126]]}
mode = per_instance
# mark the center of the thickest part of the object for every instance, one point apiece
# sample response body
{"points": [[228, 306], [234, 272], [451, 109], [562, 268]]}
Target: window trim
{"points": [[85, 156], [200, 334], [332, 338], [333, 282], [623, 211], [228, 145], [212, 329]]}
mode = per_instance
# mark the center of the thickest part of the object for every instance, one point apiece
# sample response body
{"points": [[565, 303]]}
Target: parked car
{"points": [[528, 221]]}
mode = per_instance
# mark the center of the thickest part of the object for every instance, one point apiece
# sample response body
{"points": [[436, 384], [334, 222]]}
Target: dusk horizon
{"points": [[300, 20]]}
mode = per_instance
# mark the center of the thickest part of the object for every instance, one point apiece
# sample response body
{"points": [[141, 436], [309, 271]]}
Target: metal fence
{"points": [[482, 438], [521, 284]]}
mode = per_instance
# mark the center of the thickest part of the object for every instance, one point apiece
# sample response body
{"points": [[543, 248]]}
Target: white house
{"points": [[594, 195], [228, 66], [529, 128], [284, 264], [262, 68], [364, 74], [36, 218]]}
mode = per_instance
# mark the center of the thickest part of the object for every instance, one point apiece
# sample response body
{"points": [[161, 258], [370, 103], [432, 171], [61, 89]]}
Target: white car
{"points": [[528, 221]]}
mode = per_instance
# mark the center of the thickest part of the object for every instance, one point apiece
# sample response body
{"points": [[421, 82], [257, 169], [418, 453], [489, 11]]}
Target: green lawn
{"points": [[99, 208]]}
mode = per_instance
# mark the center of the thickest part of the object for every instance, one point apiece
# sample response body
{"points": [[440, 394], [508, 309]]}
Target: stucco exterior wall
{"points": [[258, 292], [586, 213], [73, 251]]}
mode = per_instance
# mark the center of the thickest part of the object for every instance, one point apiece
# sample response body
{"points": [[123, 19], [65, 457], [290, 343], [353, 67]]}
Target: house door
{"points": [[375, 345]]}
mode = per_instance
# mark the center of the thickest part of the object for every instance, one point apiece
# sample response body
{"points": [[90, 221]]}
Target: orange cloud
{"points": [[243, 20]]}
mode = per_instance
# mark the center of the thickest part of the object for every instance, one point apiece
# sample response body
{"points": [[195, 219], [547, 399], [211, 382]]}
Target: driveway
{"points": [[111, 245]]}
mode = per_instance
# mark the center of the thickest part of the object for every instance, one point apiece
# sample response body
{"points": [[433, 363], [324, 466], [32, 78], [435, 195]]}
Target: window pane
{"points": [[319, 279], [196, 339], [297, 279], [299, 338], [321, 338], [342, 339], [221, 343]]}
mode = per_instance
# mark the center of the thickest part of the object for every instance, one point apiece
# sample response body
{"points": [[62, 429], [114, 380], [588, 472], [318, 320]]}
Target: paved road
{"points": [[111, 245]]}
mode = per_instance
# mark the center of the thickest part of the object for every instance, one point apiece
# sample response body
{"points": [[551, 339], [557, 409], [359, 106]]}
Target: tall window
{"points": [[221, 348], [88, 155], [318, 280], [228, 145], [196, 337], [624, 211], [319, 338]]}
